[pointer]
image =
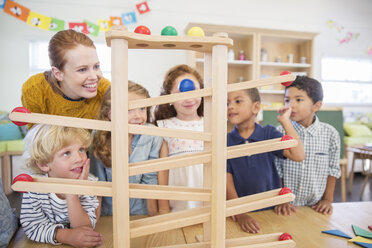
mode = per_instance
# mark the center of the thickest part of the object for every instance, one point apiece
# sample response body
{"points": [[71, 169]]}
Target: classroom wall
{"points": [[147, 66]]}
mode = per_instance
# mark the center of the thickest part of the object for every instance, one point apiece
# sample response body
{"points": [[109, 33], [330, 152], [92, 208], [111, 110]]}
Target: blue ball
{"points": [[186, 85]]}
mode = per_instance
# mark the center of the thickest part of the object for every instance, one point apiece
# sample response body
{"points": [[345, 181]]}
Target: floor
{"points": [[15, 197]]}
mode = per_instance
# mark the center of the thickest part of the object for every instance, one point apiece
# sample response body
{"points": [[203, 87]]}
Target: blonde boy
{"points": [[59, 152]]}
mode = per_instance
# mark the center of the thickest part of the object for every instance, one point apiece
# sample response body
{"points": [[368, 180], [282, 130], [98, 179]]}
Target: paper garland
{"points": [[346, 36], [53, 24]]}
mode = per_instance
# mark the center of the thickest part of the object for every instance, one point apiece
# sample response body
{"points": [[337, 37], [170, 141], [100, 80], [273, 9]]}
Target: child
{"points": [[59, 152], [312, 180], [74, 86], [185, 114], [8, 220], [141, 148], [257, 173]]}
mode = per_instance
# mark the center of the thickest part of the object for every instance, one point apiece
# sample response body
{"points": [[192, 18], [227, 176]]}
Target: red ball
{"points": [[286, 83], [23, 178], [285, 190], [285, 236], [20, 110], [142, 30], [286, 137]]}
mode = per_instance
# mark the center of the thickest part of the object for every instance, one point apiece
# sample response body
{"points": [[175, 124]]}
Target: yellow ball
{"points": [[195, 31]]}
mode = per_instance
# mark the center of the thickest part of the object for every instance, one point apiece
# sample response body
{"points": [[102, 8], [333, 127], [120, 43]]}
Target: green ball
{"points": [[169, 31]]}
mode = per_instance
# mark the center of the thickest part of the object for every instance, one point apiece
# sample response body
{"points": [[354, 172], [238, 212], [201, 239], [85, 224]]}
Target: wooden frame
{"points": [[214, 157]]}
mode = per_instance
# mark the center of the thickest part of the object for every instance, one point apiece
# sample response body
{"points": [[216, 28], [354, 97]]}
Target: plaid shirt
{"points": [[308, 179]]}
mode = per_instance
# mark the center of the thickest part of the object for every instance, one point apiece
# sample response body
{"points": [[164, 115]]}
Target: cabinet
{"points": [[285, 50]]}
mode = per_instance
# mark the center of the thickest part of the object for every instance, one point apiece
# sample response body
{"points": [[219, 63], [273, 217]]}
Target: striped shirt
{"points": [[42, 213], [308, 179]]}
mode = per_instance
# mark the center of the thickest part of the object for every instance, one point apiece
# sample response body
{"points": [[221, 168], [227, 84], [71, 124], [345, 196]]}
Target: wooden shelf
{"points": [[279, 92], [281, 64], [279, 44], [230, 62]]}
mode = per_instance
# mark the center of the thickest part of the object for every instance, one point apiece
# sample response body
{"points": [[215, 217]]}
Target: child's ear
{"points": [[256, 107], [57, 73], [43, 167], [317, 106]]}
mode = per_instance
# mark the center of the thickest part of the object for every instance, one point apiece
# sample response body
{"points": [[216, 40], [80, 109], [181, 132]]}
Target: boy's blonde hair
{"points": [[43, 141]]}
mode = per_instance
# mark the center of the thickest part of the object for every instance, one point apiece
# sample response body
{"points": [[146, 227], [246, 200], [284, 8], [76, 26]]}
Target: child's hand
{"points": [[323, 206], [247, 223], [82, 236], [284, 114], [85, 172], [285, 209]]}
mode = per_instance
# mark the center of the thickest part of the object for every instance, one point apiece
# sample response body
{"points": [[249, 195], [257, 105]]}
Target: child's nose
{"points": [[136, 113], [79, 156]]}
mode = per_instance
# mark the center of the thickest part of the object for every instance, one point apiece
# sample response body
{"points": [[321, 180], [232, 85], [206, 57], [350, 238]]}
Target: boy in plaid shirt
{"points": [[312, 180]]}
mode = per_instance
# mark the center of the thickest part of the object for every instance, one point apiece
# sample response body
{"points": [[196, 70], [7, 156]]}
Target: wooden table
{"points": [[364, 153], [305, 226]]}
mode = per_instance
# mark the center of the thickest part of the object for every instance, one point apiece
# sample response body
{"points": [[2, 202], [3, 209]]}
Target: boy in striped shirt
{"points": [[59, 152]]}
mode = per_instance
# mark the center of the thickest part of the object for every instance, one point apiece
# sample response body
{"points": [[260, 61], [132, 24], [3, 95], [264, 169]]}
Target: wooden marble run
{"points": [[215, 210]]}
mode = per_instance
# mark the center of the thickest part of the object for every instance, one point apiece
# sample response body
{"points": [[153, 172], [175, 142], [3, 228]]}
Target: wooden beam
{"points": [[147, 191], [218, 146], [106, 126], [260, 82], [139, 41], [119, 140], [257, 147], [85, 187], [199, 215], [61, 121], [169, 98], [168, 132], [169, 221], [206, 157], [265, 240], [235, 208], [169, 163]]}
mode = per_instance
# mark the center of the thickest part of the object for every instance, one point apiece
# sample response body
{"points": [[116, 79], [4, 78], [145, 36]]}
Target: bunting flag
{"points": [[369, 50], [53, 24], [39, 21], [79, 27], [104, 25], [2, 4], [347, 36], [115, 20], [129, 18], [93, 29], [142, 8], [57, 25], [16, 10]]}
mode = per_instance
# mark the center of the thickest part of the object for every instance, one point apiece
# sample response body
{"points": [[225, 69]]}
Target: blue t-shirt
{"points": [[144, 147], [257, 173]]}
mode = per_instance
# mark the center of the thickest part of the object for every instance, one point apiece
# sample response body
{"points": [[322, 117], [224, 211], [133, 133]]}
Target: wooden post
{"points": [[207, 168], [119, 141], [219, 153]]}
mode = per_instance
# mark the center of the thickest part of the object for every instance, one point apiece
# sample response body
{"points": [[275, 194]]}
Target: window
{"points": [[347, 81], [39, 60]]}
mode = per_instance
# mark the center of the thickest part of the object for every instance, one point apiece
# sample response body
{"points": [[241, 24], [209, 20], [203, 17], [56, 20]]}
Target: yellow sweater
{"points": [[39, 97]]}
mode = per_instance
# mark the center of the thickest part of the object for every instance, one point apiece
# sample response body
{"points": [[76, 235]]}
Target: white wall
{"points": [[148, 67]]}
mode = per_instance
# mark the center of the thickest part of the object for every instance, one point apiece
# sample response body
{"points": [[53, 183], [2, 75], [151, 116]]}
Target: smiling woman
{"points": [[74, 86]]}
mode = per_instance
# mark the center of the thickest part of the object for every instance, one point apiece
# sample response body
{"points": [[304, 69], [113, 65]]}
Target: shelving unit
{"points": [[278, 45]]}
